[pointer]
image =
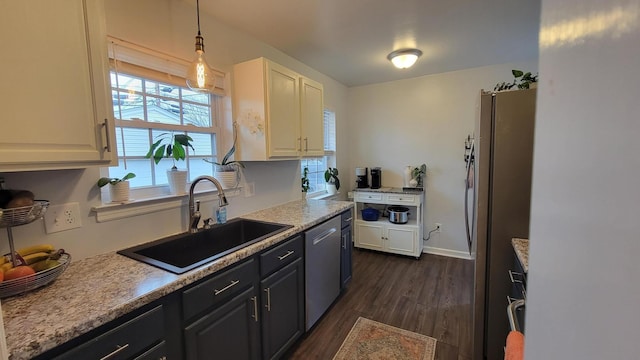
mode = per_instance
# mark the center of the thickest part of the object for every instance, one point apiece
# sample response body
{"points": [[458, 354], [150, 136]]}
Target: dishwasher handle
{"points": [[324, 235]]}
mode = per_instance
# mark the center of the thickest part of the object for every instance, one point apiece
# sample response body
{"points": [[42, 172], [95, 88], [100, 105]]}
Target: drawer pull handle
{"points": [[349, 219], [115, 352], [105, 124], [511, 273], [268, 291], [282, 257], [255, 308], [233, 283]]}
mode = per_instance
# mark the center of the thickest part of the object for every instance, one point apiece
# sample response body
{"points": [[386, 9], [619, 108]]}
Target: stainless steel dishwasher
{"points": [[322, 268]]}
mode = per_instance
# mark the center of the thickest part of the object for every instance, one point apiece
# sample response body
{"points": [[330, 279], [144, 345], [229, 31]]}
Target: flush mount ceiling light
{"points": [[404, 58], [200, 76]]}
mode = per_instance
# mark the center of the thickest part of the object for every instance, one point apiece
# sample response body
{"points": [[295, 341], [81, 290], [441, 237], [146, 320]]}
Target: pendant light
{"points": [[404, 58], [200, 76]]}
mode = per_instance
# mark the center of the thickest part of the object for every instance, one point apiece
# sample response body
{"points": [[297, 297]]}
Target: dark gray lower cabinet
{"points": [[230, 331], [346, 244], [282, 309]]}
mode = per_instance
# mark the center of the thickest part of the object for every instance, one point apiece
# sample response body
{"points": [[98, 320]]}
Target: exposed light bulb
{"points": [[200, 76], [404, 58]]}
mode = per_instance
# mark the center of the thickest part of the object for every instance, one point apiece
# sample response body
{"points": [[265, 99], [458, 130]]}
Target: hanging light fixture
{"points": [[200, 76], [404, 58]]}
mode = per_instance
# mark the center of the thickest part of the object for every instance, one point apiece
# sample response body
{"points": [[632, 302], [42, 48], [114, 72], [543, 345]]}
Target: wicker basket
{"points": [[41, 278]]}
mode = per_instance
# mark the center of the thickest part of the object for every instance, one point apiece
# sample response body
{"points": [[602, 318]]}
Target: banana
{"points": [[35, 257], [6, 266], [4, 259], [36, 249]]}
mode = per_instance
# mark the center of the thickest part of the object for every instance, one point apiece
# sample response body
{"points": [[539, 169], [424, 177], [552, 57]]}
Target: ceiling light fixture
{"points": [[404, 58], [200, 76]]}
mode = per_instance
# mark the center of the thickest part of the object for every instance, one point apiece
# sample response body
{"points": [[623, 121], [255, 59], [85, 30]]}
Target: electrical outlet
{"points": [[249, 189], [62, 217], [438, 227]]}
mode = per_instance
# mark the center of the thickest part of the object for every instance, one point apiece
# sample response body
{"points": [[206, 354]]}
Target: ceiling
{"points": [[349, 40]]}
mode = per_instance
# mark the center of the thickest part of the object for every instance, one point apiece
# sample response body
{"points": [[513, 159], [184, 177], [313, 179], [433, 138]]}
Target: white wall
{"points": [[170, 27], [424, 120], [583, 267]]}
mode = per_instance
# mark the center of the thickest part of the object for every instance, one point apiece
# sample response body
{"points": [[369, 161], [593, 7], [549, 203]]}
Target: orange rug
{"points": [[370, 340]]}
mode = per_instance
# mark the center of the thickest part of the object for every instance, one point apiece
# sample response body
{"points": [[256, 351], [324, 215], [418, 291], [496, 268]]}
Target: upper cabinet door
{"points": [[56, 109], [284, 112], [311, 118]]}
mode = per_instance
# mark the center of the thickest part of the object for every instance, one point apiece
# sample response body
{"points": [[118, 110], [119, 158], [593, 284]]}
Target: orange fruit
{"points": [[18, 272]]}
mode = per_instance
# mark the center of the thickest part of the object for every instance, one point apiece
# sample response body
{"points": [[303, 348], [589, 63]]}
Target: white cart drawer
{"points": [[368, 197], [403, 199]]}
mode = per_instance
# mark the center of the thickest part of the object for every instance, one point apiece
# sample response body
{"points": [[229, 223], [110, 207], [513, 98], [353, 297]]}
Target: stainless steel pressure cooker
{"points": [[398, 214]]}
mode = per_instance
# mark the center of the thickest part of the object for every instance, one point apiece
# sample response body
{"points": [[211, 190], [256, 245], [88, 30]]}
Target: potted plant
{"points": [[174, 147], [119, 187], [418, 176], [305, 182], [227, 172], [521, 79], [331, 177]]}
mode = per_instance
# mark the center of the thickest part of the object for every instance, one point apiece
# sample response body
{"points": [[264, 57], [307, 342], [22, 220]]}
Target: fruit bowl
{"points": [[34, 281]]}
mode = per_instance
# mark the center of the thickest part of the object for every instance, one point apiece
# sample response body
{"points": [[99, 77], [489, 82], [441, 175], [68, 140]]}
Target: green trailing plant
{"points": [[170, 146], [331, 177], [520, 79], [305, 179], [225, 164], [105, 180]]}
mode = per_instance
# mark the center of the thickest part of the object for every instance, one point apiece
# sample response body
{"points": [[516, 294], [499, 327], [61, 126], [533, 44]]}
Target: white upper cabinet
{"points": [[279, 113], [55, 97]]}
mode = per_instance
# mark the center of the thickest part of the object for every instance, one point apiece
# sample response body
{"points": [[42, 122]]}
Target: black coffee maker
{"points": [[376, 178], [362, 178]]}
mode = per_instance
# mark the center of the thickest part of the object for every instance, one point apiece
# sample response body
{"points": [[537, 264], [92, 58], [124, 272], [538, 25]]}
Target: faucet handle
{"points": [[208, 223]]}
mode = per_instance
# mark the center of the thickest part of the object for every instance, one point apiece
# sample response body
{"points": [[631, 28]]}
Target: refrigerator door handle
{"points": [[466, 195]]}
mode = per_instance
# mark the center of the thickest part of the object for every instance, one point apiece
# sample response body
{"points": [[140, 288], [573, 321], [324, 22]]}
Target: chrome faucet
{"points": [[194, 216]]}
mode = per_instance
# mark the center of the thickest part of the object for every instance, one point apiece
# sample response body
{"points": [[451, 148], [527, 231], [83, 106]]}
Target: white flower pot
{"points": [[177, 181], [331, 189], [119, 191], [228, 179]]}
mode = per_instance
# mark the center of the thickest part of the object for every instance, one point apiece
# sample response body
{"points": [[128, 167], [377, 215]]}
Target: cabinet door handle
{"points": [[268, 291], [344, 241], [233, 283], [105, 125], [115, 352], [282, 257], [306, 144], [511, 273], [255, 308], [299, 144]]}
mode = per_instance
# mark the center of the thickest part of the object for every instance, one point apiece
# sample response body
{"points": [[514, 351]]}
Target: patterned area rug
{"points": [[371, 340]]}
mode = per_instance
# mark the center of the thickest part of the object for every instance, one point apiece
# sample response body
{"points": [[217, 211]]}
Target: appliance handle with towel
{"points": [[511, 313]]}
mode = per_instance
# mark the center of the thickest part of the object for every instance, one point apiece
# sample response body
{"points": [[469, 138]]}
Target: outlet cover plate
{"points": [[62, 217]]}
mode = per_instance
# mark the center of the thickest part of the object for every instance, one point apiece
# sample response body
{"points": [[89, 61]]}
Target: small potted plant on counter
{"points": [[118, 187], [331, 177], [174, 147], [228, 172]]}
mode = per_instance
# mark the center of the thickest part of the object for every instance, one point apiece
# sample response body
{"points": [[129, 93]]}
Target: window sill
{"points": [[115, 211]]}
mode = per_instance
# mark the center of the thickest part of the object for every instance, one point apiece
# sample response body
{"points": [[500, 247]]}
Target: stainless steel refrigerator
{"points": [[499, 160]]}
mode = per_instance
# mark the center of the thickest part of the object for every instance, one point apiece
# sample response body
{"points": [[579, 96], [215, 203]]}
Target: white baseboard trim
{"points": [[446, 252]]}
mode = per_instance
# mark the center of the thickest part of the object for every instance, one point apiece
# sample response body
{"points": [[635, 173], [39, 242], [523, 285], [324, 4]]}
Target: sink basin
{"points": [[183, 252]]}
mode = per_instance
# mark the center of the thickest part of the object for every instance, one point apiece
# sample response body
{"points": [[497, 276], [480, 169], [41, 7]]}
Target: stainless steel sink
{"points": [[183, 252]]}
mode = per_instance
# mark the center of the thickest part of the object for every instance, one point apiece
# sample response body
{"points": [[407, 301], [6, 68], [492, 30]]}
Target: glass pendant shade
{"points": [[200, 76], [403, 59]]}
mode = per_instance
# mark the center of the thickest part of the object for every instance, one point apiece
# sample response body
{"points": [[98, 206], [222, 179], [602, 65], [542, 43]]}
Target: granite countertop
{"points": [[96, 290], [521, 246], [392, 190]]}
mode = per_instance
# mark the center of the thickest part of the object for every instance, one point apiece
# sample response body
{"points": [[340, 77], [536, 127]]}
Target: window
{"points": [[317, 165], [149, 101]]}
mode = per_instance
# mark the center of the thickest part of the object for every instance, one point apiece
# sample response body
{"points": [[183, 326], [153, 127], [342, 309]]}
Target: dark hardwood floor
{"points": [[430, 296]]}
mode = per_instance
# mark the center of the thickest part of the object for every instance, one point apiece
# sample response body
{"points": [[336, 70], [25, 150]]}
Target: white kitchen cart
{"points": [[383, 235]]}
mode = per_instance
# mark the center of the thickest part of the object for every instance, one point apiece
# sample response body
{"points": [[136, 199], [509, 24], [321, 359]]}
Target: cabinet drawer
{"points": [[347, 218], [368, 197], [124, 341], [158, 352], [281, 255], [402, 199], [219, 288]]}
